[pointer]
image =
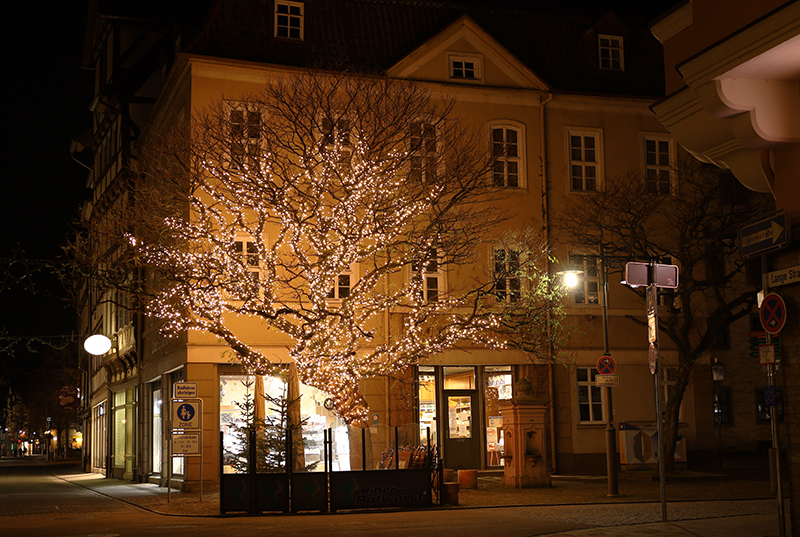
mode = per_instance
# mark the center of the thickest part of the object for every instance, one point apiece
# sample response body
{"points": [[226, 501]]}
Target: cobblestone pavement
{"points": [[39, 489]]}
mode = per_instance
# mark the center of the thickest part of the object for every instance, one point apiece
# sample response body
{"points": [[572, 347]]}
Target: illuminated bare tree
{"points": [[331, 209], [695, 228]]}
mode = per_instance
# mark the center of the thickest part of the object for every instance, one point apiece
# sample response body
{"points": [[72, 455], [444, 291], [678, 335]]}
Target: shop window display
{"points": [[427, 404], [313, 414], [497, 387]]}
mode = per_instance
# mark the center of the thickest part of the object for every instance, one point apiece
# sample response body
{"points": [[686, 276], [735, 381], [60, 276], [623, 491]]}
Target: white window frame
{"points": [[430, 271], [423, 147], [503, 161], [335, 294], [586, 280], [458, 67], [658, 166], [511, 289], [583, 160], [249, 137], [337, 137], [293, 11], [245, 249], [607, 45], [593, 394]]}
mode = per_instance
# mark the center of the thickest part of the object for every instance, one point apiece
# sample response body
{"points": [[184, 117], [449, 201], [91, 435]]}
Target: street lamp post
{"points": [[612, 460], [98, 345]]}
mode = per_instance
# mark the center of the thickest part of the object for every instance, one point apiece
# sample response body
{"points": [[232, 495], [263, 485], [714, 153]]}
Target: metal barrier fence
{"points": [[404, 479]]}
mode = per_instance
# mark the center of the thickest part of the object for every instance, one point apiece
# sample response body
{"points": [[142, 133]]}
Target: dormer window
{"points": [[611, 52], [289, 20], [467, 67]]}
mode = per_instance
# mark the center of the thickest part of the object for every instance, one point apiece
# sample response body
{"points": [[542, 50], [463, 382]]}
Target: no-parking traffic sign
{"points": [[606, 365], [773, 313]]}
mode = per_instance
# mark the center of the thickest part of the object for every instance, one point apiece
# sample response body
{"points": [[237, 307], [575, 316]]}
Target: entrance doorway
{"points": [[462, 439]]}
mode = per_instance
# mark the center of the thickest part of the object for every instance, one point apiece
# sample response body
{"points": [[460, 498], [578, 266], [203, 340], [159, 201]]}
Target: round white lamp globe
{"points": [[97, 344]]}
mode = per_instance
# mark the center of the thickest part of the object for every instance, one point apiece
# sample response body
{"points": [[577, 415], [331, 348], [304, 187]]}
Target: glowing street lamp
{"points": [[97, 344]]}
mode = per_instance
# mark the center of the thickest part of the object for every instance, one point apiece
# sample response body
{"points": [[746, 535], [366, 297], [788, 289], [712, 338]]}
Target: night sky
{"points": [[46, 96]]}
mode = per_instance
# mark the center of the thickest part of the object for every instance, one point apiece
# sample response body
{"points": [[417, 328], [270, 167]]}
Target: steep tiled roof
{"points": [[372, 35]]}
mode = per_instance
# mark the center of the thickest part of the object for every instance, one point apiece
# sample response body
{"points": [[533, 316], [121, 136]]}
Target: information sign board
{"points": [[186, 444], [184, 390], [766, 354], [606, 381]]}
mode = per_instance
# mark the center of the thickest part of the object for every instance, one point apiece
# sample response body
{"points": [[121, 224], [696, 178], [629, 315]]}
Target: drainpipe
{"points": [[388, 401], [544, 99]]}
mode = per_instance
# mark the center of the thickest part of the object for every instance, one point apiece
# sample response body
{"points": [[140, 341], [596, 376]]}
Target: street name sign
{"points": [[784, 277], [764, 235], [638, 275], [606, 381]]}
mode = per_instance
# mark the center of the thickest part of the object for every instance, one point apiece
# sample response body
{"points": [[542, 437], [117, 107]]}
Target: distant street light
{"points": [[97, 344]]}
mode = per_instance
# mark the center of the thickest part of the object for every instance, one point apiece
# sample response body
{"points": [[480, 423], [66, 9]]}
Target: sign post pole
{"points": [[186, 415], [654, 275], [612, 459], [773, 422], [655, 369]]}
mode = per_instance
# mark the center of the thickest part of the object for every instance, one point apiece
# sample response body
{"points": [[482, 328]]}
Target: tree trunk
{"points": [[672, 417]]}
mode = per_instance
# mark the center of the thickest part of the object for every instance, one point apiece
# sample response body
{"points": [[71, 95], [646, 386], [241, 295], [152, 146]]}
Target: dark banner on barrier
{"points": [[380, 488]]}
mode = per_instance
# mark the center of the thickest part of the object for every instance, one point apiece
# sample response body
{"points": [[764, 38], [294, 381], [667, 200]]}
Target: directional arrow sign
{"points": [[767, 234]]}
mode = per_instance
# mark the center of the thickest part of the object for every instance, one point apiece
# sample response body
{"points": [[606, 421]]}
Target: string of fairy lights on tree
{"points": [[268, 235]]}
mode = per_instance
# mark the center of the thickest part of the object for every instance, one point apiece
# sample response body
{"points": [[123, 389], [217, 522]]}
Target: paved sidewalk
{"points": [[704, 517]]}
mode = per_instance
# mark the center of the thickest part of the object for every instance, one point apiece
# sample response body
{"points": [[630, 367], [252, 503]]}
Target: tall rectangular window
{"points": [[590, 401], [584, 160], [336, 139], [426, 273], [657, 165], [506, 274], [344, 284], [289, 20], [611, 52], [426, 394], [587, 290], [247, 252], [245, 137], [422, 151], [342, 288], [498, 381], [506, 155]]}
